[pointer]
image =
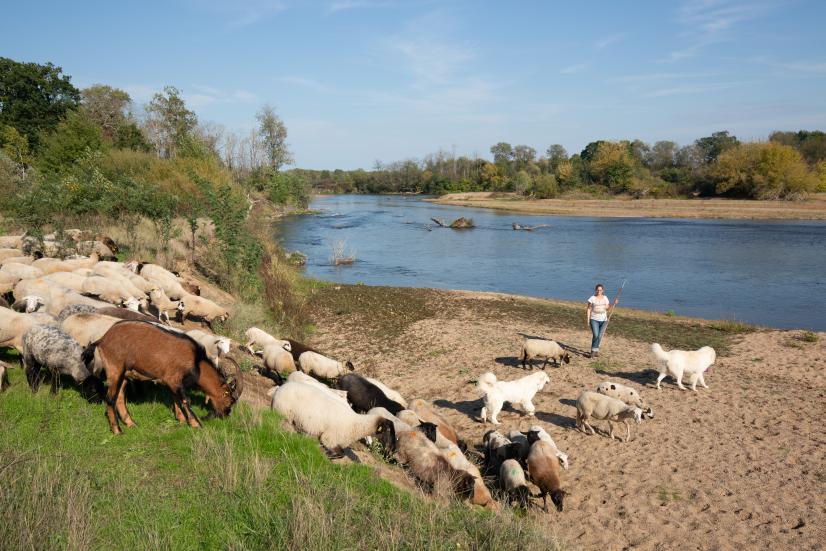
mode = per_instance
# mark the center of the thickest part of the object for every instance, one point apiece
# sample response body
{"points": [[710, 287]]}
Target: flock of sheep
{"points": [[95, 319]]}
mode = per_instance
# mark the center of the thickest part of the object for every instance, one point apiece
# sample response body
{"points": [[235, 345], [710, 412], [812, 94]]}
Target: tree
{"points": [[709, 148], [502, 153], [34, 98], [812, 145], [273, 134], [75, 134], [130, 136], [523, 155], [490, 178], [662, 155], [108, 107], [763, 171], [590, 150], [169, 122], [556, 154], [16, 147], [612, 165]]}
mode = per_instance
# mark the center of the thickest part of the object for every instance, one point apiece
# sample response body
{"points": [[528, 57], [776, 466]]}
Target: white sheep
{"points": [[299, 377], [389, 392], [259, 337], [87, 328], [164, 278], [9, 252], [542, 434], [513, 482], [106, 289], [28, 304], [4, 375], [163, 304], [216, 346], [315, 412], [541, 348], [69, 280], [278, 359], [322, 366], [20, 271], [11, 241], [12, 328], [678, 363], [201, 307], [594, 405], [626, 394], [27, 260], [481, 495]]}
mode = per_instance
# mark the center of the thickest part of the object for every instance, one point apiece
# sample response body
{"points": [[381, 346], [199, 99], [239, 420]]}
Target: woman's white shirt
{"points": [[599, 307]]}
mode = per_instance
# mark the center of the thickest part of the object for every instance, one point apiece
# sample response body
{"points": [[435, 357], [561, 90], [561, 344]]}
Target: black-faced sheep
{"points": [[426, 412], [513, 482]]}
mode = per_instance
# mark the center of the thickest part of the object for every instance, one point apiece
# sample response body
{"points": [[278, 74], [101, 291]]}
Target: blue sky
{"points": [[360, 80]]}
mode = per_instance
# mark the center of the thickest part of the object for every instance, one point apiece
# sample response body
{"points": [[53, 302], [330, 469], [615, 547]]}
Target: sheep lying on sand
{"points": [[678, 363], [598, 406], [541, 348]]}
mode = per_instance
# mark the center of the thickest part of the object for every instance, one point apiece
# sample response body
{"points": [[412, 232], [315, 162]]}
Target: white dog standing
{"points": [[520, 391], [679, 363]]}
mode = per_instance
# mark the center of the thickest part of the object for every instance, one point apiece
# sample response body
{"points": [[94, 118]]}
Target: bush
{"points": [[763, 171]]}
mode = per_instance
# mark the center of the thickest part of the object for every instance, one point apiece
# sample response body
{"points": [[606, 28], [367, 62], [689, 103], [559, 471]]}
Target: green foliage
{"points": [[169, 122], [763, 171], [288, 188], [130, 136], [711, 147], [812, 145], [34, 98], [73, 136]]}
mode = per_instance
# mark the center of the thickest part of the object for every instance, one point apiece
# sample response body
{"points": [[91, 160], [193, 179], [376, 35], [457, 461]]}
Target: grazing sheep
{"points": [[69, 280], [11, 241], [533, 348], [626, 394], [364, 395], [313, 411], [163, 304], [678, 363], [262, 339], [52, 349], [538, 433], [513, 482], [278, 359], [425, 411], [389, 392], [498, 448], [163, 278], [9, 252], [543, 468], [598, 406], [299, 377], [106, 289], [20, 271], [297, 349], [520, 391], [398, 424], [87, 328], [203, 308], [125, 314], [481, 495], [429, 466], [26, 260], [12, 328], [73, 309], [4, 375], [322, 366], [215, 345]]}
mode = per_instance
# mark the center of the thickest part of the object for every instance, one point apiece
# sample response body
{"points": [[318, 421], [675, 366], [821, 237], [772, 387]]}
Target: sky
{"points": [[357, 81]]}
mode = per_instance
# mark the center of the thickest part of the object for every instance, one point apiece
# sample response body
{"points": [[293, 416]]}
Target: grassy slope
{"points": [[239, 483]]}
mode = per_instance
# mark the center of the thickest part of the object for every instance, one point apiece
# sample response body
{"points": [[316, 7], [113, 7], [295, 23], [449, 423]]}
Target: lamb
{"points": [[520, 391], [299, 377], [678, 363], [538, 433], [55, 350], [389, 392], [364, 395], [20, 271], [164, 278], [261, 338], [200, 307], [428, 465], [425, 411], [513, 482], [278, 359], [87, 328], [163, 304], [598, 406], [626, 394], [532, 348], [322, 366], [543, 468], [215, 346], [313, 411]]}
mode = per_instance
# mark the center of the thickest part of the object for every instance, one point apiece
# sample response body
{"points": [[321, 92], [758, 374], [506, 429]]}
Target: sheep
{"points": [[389, 392], [322, 366], [96, 247], [538, 433], [3, 302], [626, 394], [28, 304], [55, 298], [364, 395], [520, 391], [481, 495], [203, 308], [681, 362], [428, 465], [69, 280], [215, 345], [299, 377], [73, 309], [27, 260], [10, 252], [313, 411], [513, 482], [4, 375], [20, 271], [498, 448], [125, 282], [278, 359], [398, 424], [297, 349], [163, 278], [12, 328], [55, 265], [52, 349], [591, 404], [543, 468], [106, 289], [262, 339], [11, 241], [87, 328], [161, 303], [532, 348], [424, 410]]}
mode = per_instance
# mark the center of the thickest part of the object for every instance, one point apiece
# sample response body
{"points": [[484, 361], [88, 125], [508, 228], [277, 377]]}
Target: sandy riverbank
{"points": [[813, 208], [737, 466]]}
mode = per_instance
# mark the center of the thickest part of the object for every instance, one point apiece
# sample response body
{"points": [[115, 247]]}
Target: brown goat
{"points": [[144, 351]]}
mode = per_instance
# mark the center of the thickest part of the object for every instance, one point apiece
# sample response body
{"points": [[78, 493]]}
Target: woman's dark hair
{"points": [[598, 285]]}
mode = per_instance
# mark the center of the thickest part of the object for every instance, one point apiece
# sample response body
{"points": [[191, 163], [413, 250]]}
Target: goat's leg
{"points": [[114, 381], [190, 415], [120, 404], [179, 415]]}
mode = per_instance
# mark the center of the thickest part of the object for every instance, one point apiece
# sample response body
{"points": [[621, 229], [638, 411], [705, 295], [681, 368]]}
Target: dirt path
{"points": [[810, 209], [737, 466]]}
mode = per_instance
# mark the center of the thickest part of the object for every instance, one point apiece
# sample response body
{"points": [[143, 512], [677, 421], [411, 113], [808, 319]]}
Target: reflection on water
{"points": [[764, 272]]}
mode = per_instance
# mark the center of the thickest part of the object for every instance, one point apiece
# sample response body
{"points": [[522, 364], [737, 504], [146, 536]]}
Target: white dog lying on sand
{"points": [[520, 391], [679, 363]]}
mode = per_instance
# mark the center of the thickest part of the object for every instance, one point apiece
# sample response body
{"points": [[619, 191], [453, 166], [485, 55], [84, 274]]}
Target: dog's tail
{"points": [[659, 353], [486, 381]]}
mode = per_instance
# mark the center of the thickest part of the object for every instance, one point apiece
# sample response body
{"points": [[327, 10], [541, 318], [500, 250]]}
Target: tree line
{"points": [[789, 165]]}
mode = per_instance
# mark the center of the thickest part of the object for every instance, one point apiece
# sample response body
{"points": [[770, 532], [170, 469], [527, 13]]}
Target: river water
{"points": [[764, 272]]}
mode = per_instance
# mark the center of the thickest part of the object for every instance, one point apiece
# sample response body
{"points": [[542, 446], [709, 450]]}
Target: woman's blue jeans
{"points": [[597, 327]]}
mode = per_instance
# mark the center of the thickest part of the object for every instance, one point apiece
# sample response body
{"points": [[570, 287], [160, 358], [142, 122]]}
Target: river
{"points": [[764, 272]]}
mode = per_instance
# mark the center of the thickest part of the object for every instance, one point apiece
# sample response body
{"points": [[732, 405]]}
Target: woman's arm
{"points": [[588, 315]]}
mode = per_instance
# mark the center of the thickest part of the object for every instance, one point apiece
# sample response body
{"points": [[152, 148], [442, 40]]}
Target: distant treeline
{"points": [[789, 165]]}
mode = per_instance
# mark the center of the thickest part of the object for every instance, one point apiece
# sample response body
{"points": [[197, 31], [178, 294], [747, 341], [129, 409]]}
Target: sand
{"points": [[813, 208], [737, 466]]}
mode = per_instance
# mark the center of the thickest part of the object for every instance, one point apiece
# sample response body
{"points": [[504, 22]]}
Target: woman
{"points": [[598, 316]]}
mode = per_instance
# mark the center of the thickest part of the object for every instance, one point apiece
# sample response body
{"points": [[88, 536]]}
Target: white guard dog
{"points": [[679, 363], [520, 391]]}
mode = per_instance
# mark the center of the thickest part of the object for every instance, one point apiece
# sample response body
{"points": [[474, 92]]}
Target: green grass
{"points": [[809, 336], [239, 483]]}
